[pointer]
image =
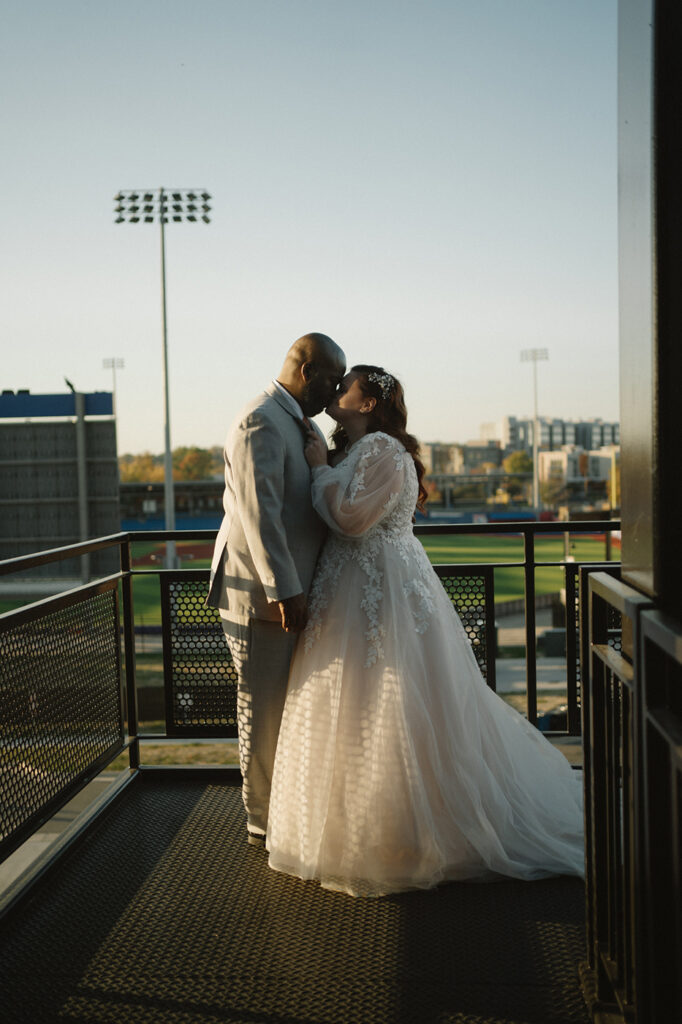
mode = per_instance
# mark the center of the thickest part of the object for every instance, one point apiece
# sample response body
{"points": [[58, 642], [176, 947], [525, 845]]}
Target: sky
{"points": [[432, 183]]}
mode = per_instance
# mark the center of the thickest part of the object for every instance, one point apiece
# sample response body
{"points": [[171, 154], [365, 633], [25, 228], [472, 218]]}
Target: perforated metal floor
{"points": [[166, 916]]}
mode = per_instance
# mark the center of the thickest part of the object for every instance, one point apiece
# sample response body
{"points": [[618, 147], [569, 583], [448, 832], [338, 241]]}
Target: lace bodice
{"points": [[373, 489], [368, 500]]}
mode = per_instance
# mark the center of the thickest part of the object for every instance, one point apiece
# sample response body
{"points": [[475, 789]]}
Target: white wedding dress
{"points": [[397, 767]]}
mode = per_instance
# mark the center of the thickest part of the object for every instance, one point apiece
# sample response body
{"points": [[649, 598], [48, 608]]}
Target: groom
{"points": [[266, 550]]}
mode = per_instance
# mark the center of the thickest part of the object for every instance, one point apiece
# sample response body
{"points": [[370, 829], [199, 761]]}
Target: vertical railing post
{"points": [[129, 648], [615, 896], [573, 722], [529, 594], [586, 725], [597, 875]]}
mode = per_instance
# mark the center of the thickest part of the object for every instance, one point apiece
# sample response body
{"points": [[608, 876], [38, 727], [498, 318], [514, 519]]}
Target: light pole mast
{"points": [[535, 355], [147, 207], [169, 490], [113, 364]]}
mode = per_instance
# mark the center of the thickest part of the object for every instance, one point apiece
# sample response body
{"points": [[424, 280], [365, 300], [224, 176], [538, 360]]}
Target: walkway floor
{"points": [[164, 915]]}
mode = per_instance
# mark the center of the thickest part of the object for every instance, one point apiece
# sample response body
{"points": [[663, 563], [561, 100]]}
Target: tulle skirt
{"points": [[402, 769]]}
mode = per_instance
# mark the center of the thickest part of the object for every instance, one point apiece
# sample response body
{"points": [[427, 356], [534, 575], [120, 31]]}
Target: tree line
{"points": [[189, 463]]}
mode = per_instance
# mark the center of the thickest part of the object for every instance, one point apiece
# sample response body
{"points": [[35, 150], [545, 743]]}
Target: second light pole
{"points": [[535, 355], [164, 206]]}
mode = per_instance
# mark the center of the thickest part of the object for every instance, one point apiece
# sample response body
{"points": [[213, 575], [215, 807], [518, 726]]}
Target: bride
{"points": [[397, 767]]}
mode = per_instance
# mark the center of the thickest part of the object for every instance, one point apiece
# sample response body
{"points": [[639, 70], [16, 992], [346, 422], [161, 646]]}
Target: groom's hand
{"points": [[294, 612], [315, 450]]}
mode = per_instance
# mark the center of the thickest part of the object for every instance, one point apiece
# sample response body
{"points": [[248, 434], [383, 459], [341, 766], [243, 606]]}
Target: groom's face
{"points": [[321, 386]]}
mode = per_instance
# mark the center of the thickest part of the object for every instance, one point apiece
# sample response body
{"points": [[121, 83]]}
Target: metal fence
{"points": [[66, 688], [61, 717], [632, 717]]}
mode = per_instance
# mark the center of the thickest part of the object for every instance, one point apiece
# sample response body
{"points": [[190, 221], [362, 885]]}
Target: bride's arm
{"points": [[352, 506]]}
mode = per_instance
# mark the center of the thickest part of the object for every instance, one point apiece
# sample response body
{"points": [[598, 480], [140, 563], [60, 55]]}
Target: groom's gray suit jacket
{"points": [[270, 535]]}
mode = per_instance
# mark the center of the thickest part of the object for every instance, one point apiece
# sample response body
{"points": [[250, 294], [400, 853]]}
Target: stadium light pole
{"points": [[534, 356], [163, 206], [113, 364]]}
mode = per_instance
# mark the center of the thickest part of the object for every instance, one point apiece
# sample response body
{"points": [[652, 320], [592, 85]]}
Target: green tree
{"points": [[518, 462], [217, 460], [144, 468], [192, 463], [189, 463]]}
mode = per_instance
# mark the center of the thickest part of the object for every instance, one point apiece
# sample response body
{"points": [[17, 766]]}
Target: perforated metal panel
{"points": [[472, 594], [200, 679], [615, 626], [60, 708]]}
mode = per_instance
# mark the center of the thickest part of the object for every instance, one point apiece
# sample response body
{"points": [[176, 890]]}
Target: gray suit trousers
{"points": [[261, 652]]}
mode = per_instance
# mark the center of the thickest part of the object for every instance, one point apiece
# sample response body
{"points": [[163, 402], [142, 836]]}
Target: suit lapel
{"points": [[273, 392]]}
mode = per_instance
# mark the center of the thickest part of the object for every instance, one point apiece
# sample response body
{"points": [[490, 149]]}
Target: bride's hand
{"points": [[315, 450]]}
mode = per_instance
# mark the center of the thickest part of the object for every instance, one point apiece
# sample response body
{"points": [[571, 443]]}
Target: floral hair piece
{"points": [[384, 380]]}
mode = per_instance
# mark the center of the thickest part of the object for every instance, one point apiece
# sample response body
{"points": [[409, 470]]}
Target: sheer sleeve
{"points": [[352, 507]]}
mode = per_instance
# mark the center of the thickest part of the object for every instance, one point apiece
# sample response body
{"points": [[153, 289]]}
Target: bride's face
{"points": [[349, 400]]}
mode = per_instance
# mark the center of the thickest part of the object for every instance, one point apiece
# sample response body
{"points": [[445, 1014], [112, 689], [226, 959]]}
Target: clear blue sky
{"points": [[432, 183]]}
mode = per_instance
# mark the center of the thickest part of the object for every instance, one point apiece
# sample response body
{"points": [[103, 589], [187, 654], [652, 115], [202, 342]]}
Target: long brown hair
{"points": [[389, 415]]}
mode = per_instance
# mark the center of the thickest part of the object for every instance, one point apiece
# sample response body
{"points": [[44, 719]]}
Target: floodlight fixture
{"points": [[113, 363], [534, 355]]}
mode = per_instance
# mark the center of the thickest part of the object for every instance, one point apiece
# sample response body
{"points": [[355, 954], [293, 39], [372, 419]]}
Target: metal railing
{"points": [[61, 716], [66, 692], [632, 717]]}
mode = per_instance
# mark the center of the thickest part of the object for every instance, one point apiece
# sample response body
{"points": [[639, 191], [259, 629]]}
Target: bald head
{"points": [[312, 370]]}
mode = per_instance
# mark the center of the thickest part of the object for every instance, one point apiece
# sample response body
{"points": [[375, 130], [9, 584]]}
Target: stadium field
{"points": [[460, 549]]}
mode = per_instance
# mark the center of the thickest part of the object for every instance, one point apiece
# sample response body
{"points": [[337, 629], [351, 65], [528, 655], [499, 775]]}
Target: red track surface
{"points": [[186, 549]]}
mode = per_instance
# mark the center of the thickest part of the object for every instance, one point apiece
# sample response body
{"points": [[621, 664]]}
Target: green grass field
{"points": [[501, 548], [508, 582]]}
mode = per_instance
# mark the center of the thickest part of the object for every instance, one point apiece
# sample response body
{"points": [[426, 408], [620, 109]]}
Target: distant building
{"points": [[574, 465], [596, 434], [58, 478], [198, 505], [441, 458], [517, 434], [489, 432], [456, 459], [481, 453]]}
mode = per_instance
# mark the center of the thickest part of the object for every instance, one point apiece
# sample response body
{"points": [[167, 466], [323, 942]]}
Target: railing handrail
{"points": [[84, 547], [616, 592], [21, 562], [521, 527]]}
